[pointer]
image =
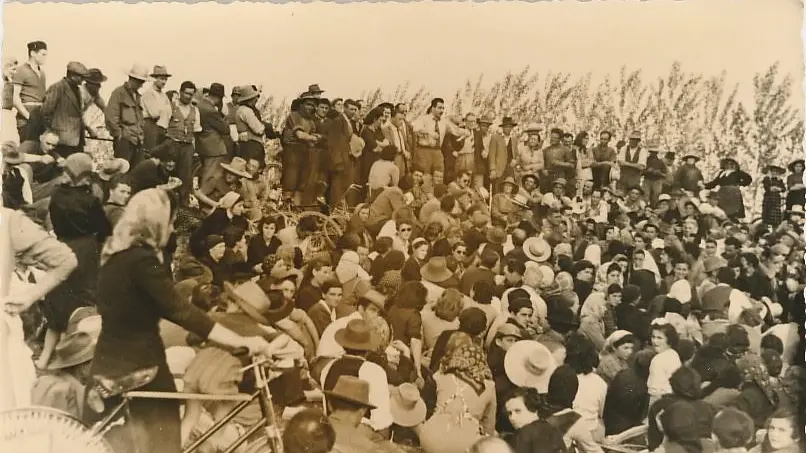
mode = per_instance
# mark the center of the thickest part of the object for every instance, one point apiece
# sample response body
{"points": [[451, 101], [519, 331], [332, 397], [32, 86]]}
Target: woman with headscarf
{"points": [[229, 213], [465, 402], [627, 399], [358, 225], [686, 386], [135, 290], [591, 320], [758, 397]]}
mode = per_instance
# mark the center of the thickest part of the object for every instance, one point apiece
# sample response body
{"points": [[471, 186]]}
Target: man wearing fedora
{"points": [[156, 108], [62, 111], [210, 142], [358, 339], [501, 151], [654, 174], [632, 162], [349, 402], [124, 117], [229, 180]]}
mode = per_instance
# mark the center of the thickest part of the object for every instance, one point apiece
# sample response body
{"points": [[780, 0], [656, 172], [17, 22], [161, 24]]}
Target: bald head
{"points": [[490, 445]]}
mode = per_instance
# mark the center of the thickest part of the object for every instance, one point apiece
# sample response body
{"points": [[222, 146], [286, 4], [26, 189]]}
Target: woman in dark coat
{"points": [[627, 399], [729, 179], [772, 212], [374, 142], [794, 182], [135, 291], [264, 243]]}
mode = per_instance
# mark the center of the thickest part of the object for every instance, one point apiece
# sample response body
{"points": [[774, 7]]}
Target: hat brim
{"points": [[507, 124], [155, 75], [346, 343], [408, 418], [83, 356], [537, 258], [14, 160], [517, 372], [235, 171], [331, 394], [270, 317], [514, 184], [250, 96], [493, 240], [137, 76], [441, 277]]}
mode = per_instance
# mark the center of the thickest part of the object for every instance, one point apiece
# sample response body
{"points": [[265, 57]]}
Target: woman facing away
{"points": [[135, 291]]}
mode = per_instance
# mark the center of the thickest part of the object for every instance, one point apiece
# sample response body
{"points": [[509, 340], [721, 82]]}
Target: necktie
{"points": [[402, 141], [436, 129]]}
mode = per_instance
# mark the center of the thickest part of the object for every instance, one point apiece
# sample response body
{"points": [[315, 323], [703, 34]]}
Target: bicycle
{"points": [[105, 387]]}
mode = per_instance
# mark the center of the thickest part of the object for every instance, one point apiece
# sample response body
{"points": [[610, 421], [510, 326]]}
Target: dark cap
{"points": [[94, 75], [74, 67], [217, 90], [36, 46]]}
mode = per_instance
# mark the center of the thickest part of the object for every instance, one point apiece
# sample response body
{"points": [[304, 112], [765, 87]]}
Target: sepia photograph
{"points": [[427, 227]]}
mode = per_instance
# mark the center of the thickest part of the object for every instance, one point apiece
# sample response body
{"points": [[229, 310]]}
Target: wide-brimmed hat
{"points": [[84, 319], [638, 188], [529, 364], [726, 160], [635, 135], [487, 118], [247, 92], [12, 154], [792, 164], [72, 350], [497, 236], [113, 166], [713, 263], [160, 71], [691, 156], [95, 75], [508, 122], [537, 249], [533, 127], [314, 89], [237, 167], [352, 389], [520, 200], [796, 209], [408, 407], [78, 166], [774, 168], [139, 72], [509, 180], [256, 304], [357, 335], [436, 270], [509, 330]]}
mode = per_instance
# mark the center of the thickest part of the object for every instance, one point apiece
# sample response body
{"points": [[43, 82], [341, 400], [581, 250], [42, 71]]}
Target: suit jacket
{"points": [[210, 141], [497, 156], [321, 317], [62, 112], [338, 134]]}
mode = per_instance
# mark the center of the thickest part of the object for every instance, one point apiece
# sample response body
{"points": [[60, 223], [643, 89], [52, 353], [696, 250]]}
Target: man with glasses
{"points": [[184, 124]]}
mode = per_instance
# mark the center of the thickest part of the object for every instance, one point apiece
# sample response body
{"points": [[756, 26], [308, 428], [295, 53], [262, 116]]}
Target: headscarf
{"points": [[468, 363], [754, 372], [594, 307], [617, 339], [146, 221]]}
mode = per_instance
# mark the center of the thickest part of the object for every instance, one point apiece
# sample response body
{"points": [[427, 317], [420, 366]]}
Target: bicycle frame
{"points": [[262, 395]]}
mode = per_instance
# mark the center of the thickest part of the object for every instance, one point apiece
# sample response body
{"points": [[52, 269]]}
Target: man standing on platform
{"points": [[211, 144], [185, 122], [157, 109], [62, 111], [632, 162], [124, 117], [29, 89]]}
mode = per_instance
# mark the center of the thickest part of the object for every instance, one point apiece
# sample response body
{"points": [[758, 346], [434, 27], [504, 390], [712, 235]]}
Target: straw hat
{"points": [[237, 167], [72, 350], [529, 364], [509, 180], [256, 304], [139, 72], [436, 270], [635, 135], [408, 407], [352, 389], [113, 166], [537, 249], [487, 118], [533, 127], [356, 335]]}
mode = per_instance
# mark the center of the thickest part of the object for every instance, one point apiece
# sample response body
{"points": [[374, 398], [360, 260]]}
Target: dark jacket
{"points": [[215, 223], [148, 174], [135, 291], [210, 142], [75, 212], [626, 402], [62, 112], [538, 437]]}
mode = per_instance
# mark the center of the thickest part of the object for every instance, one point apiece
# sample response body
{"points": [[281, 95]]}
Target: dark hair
{"points": [[519, 304], [772, 342], [383, 244], [389, 153], [772, 360], [483, 292], [330, 284], [435, 102], [668, 330], [187, 84], [609, 134], [489, 258], [726, 275], [556, 130], [232, 235], [733, 428], [36, 46], [336, 101], [447, 203], [615, 288], [580, 137], [372, 116], [516, 266], [531, 398], [412, 294], [472, 321], [350, 102], [309, 431], [322, 101], [686, 349], [581, 354]]}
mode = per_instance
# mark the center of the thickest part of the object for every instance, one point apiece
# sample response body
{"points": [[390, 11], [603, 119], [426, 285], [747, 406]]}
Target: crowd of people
{"points": [[488, 294]]}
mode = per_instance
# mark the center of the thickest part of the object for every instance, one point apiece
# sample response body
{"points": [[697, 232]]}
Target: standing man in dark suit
{"points": [[124, 117], [210, 142], [62, 110]]}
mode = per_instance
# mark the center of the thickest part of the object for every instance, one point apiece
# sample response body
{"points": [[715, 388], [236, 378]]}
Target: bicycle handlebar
{"points": [[240, 352]]}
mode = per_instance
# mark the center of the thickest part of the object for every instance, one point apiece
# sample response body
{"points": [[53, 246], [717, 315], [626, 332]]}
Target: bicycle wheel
{"points": [[328, 230], [46, 430]]}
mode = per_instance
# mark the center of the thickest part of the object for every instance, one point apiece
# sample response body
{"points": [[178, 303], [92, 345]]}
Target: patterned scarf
{"points": [[468, 363]]}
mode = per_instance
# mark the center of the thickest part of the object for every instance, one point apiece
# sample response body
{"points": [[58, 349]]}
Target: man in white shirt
{"points": [[184, 123], [357, 338], [430, 131], [156, 108], [632, 162]]}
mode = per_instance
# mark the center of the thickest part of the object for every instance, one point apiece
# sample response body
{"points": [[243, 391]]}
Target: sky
{"points": [[349, 48]]}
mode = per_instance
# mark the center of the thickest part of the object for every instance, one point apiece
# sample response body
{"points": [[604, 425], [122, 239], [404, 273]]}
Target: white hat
{"points": [[530, 364], [681, 290], [139, 72], [658, 243], [593, 253], [537, 249]]}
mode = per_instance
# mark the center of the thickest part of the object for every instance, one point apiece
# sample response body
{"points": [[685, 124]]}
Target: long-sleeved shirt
{"points": [[33, 246], [156, 106], [426, 125], [383, 173]]}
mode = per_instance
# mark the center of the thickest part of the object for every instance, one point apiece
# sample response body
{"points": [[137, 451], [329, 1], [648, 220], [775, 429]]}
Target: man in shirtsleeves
{"points": [[185, 122], [430, 131], [157, 108], [299, 135], [559, 162], [124, 117], [604, 159], [29, 90], [632, 162]]}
